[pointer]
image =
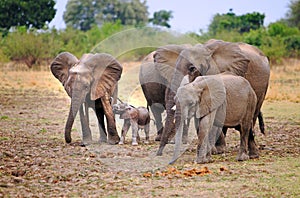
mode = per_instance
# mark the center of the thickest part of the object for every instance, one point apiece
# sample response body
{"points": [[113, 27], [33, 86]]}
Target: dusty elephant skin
{"points": [[155, 76], [136, 118], [215, 57], [217, 100], [90, 82]]}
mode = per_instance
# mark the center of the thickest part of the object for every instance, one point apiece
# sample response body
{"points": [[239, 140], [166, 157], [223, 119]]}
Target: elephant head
{"points": [[198, 99], [165, 59], [125, 111], [92, 77]]}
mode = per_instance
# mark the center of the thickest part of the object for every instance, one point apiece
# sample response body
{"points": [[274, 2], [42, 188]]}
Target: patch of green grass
{"points": [[42, 130], [282, 111], [4, 117], [4, 138]]}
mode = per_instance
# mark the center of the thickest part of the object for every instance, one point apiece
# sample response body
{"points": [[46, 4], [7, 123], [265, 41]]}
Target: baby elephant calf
{"points": [[137, 118]]}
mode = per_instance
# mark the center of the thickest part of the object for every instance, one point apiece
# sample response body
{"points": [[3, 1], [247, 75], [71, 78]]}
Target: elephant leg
{"points": [[86, 131], [205, 127], [244, 137], [101, 124], [157, 110], [253, 150], [134, 127], [220, 144], [147, 130], [113, 137], [125, 129], [213, 136]]}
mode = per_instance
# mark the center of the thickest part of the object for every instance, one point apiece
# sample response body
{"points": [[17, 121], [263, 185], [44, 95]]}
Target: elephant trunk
{"points": [[74, 108], [180, 121]]}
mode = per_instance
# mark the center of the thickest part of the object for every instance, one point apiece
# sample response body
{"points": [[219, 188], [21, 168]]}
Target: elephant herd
{"points": [[219, 84]]}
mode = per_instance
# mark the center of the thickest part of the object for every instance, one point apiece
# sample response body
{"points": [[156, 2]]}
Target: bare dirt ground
{"points": [[36, 162]]}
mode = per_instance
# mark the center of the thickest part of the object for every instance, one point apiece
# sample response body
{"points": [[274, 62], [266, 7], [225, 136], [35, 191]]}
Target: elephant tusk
{"points": [[174, 108]]}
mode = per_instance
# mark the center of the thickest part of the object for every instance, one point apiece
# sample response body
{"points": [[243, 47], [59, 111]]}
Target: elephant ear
{"points": [[213, 94], [106, 71], [228, 57], [165, 58], [61, 64], [129, 113]]}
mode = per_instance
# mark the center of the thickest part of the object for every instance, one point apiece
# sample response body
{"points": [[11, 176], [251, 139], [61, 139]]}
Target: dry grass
{"points": [[285, 82], [35, 161]]}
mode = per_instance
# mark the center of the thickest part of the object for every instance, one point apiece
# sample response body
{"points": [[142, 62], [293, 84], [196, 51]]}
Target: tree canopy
{"points": [[293, 14], [83, 14], [230, 21], [161, 18], [28, 13]]}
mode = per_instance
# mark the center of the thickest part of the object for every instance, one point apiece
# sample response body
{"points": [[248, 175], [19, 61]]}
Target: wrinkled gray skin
{"points": [[155, 75], [216, 100], [215, 57], [138, 118], [90, 82]]}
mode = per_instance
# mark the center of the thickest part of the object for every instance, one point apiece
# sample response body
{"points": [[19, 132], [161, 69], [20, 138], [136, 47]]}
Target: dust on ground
{"points": [[36, 162]]}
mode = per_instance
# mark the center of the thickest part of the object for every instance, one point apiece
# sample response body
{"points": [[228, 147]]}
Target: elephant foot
{"points": [[214, 150], [101, 140], [113, 140], [203, 160], [242, 157], [253, 152], [220, 149], [253, 156], [147, 142], [134, 142], [158, 137], [86, 142]]}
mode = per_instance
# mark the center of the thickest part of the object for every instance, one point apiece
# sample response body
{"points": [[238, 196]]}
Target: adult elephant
{"points": [[155, 75], [213, 57], [90, 82]]}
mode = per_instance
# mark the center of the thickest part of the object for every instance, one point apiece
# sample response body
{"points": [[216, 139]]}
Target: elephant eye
{"points": [[192, 68]]}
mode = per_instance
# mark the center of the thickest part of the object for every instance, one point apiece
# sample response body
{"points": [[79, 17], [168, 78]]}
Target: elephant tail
{"points": [[261, 123]]}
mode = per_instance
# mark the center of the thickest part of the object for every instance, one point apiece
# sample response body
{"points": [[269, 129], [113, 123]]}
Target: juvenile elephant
{"points": [[90, 82], [138, 118], [215, 57], [216, 101]]}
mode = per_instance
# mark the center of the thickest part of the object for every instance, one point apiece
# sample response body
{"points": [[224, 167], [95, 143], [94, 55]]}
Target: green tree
{"points": [[232, 22], [161, 18], [28, 13], [84, 14], [293, 14]]}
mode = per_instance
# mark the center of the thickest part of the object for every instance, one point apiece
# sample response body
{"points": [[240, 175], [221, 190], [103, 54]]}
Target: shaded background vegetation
{"points": [[26, 36]]}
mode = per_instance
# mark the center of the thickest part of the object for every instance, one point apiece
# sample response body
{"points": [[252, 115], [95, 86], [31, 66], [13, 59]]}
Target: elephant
{"points": [[214, 57], [90, 82], [138, 118], [155, 76], [217, 100]]}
